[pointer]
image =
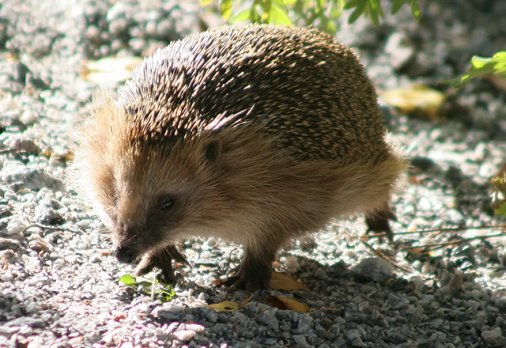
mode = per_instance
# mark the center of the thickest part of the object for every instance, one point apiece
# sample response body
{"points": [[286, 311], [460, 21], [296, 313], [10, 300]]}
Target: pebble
{"points": [[31, 179], [48, 216], [501, 303], [300, 340], [15, 227], [396, 302], [373, 269], [269, 319], [304, 324], [38, 245], [27, 146], [7, 243], [492, 336], [168, 311], [354, 338]]}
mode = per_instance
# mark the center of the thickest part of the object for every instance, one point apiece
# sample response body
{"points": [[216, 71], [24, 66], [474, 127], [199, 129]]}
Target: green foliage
{"points": [[501, 210], [150, 287], [499, 193], [482, 66], [319, 13], [373, 9]]}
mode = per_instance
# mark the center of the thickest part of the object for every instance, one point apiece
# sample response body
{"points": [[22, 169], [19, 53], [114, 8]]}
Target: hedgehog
{"points": [[253, 134]]}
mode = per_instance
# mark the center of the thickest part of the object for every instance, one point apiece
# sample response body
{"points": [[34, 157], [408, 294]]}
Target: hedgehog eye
{"points": [[213, 151], [165, 203]]}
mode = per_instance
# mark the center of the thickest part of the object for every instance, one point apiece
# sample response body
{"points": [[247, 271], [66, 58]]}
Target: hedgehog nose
{"points": [[124, 253]]}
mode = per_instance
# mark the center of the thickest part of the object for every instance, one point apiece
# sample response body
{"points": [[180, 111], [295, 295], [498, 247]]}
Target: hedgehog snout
{"points": [[125, 250], [125, 253]]}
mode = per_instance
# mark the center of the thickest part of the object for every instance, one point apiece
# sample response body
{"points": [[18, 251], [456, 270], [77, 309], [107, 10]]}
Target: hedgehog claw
{"points": [[161, 259], [250, 277]]}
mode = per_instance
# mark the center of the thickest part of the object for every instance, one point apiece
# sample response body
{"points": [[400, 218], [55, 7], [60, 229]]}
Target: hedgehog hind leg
{"points": [[161, 259], [255, 271], [379, 221]]}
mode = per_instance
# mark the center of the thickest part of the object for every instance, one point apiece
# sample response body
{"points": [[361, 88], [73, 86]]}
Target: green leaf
{"points": [[144, 284], [415, 9], [323, 13], [226, 8], [242, 16], [279, 2], [151, 287], [483, 66], [128, 280], [359, 5], [167, 293], [370, 7], [351, 4], [397, 5], [354, 16], [374, 6], [278, 15], [330, 27], [375, 11], [501, 210]]}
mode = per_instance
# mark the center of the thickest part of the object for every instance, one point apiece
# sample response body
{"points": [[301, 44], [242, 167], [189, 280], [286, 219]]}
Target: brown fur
{"points": [[256, 172]]}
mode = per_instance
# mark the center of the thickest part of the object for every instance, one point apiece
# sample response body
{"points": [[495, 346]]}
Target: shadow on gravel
{"points": [[395, 312], [7, 302]]}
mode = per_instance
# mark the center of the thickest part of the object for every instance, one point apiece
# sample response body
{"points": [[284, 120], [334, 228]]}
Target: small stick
{"points": [[449, 229], [384, 257]]}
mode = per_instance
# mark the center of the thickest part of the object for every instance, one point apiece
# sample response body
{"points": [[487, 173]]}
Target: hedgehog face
{"points": [[162, 197], [143, 222]]}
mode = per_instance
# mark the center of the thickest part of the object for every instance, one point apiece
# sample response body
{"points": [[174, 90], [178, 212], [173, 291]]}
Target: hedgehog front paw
{"points": [[161, 259], [251, 276]]}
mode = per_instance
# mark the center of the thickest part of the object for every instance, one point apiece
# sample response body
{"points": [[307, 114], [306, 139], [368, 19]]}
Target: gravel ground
{"points": [[59, 284]]}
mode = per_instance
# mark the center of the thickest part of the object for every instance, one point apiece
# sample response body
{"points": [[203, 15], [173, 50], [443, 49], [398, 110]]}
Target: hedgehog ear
{"points": [[212, 151]]}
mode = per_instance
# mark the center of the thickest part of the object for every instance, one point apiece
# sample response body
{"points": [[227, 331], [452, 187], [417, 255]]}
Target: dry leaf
{"points": [[229, 306], [109, 70], [418, 250], [281, 281], [418, 99], [282, 302], [225, 306]]}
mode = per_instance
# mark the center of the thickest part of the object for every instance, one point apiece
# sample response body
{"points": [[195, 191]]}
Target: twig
{"points": [[51, 228], [383, 256], [449, 229], [456, 242], [6, 151]]}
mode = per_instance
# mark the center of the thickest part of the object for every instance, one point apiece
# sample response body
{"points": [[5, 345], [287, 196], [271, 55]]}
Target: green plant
{"points": [[499, 193], [319, 13], [150, 287], [323, 14], [483, 66], [373, 9]]}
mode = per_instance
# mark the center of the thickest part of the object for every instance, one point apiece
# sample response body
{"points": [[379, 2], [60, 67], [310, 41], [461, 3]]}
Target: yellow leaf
{"points": [[229, 306], [418, 99], [109, 70], [225, 306], [282, 302], [281, 281]]}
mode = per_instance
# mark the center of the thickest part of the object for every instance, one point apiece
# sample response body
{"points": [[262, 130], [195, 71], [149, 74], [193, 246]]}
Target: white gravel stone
{"points": [[373, 269]]}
